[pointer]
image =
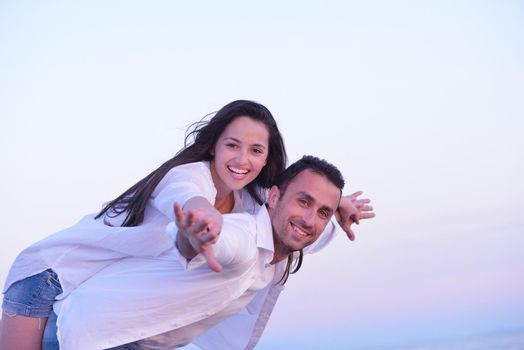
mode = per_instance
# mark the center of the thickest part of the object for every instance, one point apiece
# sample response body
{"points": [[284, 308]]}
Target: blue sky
{"points": [[419, 104]]}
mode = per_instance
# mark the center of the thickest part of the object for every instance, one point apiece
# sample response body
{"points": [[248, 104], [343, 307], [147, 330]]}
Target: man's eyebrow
{"points": [[311, 199], [328, 209], [307, 195], [237, 140]]}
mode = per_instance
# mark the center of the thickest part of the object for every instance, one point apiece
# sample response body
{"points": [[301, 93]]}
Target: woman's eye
{"points": [[231, 145], [258, 151]]}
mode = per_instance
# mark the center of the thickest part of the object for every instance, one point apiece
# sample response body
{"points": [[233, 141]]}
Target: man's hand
{"points": [[351, 210], [198, 230]]}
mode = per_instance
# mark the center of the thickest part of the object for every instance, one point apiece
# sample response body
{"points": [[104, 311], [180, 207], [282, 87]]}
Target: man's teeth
{"points": [[299, 231], [238, 171]]}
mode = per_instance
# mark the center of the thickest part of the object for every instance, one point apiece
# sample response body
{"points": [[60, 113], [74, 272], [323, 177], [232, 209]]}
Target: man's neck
{"points": [[278, 256]]}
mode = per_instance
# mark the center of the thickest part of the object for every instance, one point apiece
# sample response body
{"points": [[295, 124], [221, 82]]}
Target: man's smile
{"points": [[300, 230]]}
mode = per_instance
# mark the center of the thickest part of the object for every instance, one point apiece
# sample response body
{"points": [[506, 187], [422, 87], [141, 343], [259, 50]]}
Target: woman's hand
{"points": [[351, 210], [198, 230]]}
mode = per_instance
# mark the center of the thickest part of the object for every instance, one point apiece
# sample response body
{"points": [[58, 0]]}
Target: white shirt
{"points": [[80, 251], [137, 298]]}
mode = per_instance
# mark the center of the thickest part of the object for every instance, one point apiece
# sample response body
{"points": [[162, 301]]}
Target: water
{"points": [[499, 341]]}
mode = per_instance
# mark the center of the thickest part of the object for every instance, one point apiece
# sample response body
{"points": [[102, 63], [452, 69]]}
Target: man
{"points": [[168, 301]]}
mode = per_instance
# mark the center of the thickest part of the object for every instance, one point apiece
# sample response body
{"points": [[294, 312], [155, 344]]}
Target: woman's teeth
{"points": [[238, 170]]}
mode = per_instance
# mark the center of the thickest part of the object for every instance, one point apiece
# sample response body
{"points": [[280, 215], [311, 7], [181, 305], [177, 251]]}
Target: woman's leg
{"points": [[27, 305], [20, 332], [50, 339]]}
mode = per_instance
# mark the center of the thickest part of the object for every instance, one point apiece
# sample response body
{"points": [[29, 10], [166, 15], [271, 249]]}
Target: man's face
{"points": [[300, 214]]}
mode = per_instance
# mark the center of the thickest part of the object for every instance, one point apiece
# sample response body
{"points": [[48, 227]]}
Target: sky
{"points": [[419, 103]]}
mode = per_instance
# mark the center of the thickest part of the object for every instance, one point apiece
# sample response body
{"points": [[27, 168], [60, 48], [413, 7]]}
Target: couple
{"points": [[122, 269]]}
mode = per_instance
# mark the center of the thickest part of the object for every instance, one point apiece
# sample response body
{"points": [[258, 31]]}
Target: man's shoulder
{"points": [[237, 243], [241, 222]]}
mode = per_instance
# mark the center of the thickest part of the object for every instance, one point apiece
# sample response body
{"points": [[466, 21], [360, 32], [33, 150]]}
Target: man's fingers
{"points": [[367, 215], [349, 233], [356, 194], [366, 208]]}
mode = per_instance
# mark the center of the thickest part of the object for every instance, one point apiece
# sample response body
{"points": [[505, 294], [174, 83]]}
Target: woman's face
{"points": [[239, 154]]}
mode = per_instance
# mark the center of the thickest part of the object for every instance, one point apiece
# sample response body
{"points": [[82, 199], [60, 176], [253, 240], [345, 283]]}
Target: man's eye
{"points": [[303, 202], [324, 214]]}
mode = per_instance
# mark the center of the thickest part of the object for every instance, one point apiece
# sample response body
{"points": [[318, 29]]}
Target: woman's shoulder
{"points": [[194, 172], [194, 166], [245, 202], [187, 179]]}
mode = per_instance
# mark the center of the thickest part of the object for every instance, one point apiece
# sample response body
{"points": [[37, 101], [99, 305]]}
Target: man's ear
{"points": [[273, 196]]}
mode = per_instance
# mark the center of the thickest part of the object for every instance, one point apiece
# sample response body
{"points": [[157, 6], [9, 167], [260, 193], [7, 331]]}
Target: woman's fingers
{"points": [[212, 262]]}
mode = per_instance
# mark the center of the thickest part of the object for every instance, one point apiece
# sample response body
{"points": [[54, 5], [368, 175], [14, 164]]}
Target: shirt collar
{"points": [[264, 230]]}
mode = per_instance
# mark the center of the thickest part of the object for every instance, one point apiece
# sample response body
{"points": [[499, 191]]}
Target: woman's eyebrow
{"points": [[237, 140]]}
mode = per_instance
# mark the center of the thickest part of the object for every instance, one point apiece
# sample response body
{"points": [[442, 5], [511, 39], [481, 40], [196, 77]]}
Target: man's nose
{"points": [[309, 217]]}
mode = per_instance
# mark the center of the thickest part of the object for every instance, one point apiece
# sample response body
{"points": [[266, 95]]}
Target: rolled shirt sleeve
{"points": [[182, 183], [233, 245]]}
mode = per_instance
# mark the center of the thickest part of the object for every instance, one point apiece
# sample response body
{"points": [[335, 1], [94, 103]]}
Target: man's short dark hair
{"points": [[316, 165]]}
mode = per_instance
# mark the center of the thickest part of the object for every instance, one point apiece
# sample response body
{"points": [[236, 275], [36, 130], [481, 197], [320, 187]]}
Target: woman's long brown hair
{"points": [[199, 142]]}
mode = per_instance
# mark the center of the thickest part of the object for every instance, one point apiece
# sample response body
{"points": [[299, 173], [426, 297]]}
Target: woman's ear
{"points": [[273, 196]]}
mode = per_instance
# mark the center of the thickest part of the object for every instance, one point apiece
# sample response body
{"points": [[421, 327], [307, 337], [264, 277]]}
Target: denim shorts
{"points": [[33, 296]]}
